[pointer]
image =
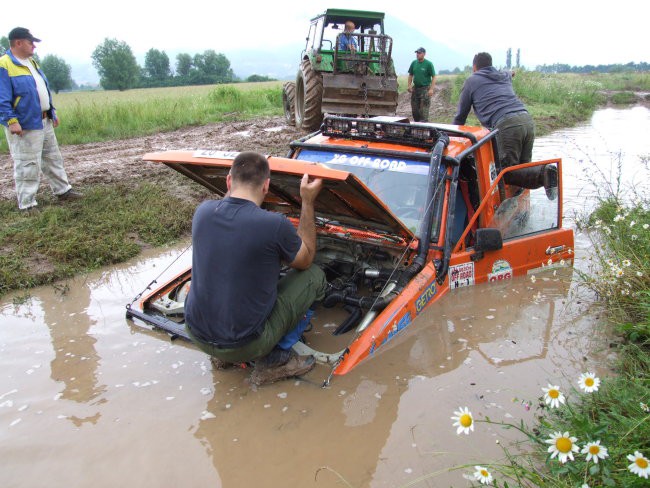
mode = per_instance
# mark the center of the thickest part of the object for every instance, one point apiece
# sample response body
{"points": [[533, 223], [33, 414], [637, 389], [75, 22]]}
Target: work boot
{"points": [[220, 364], [71, 195], [280, 365], [550, 181], [33, 210]]}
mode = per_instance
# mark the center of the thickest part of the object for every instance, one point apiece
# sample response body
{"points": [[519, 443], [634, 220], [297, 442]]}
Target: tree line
{"points": [[119, 70]]}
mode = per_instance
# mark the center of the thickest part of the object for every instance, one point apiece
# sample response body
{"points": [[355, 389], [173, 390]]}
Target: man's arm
{"points": [[7, 113], [307, 227], [409, 84], [432, 86]]}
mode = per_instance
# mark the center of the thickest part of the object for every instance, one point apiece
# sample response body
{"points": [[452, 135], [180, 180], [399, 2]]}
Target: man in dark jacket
{"points": [[489, 91]]}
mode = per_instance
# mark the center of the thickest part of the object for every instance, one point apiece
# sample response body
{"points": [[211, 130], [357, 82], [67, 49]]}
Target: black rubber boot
{"points": [[536, 177], [550, 181]]}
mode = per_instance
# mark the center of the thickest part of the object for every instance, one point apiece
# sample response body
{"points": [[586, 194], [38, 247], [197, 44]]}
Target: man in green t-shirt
{"points": [[422, 79]]}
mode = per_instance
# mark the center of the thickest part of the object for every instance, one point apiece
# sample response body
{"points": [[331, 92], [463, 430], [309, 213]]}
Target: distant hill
{"points": [[282, 63]]}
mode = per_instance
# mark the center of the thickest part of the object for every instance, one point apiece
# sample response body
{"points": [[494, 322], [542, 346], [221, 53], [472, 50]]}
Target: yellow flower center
{"points": [[641, 463], [589, 382], [563, 444], [465, 420], [594, 450], [553, 393], [484, 473]]}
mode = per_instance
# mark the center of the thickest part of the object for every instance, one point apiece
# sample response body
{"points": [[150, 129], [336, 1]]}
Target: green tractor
{"points": [[346, 73]]}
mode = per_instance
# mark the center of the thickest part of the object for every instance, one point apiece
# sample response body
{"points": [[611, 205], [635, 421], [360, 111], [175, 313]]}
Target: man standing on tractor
{"points": [[421, 81]]}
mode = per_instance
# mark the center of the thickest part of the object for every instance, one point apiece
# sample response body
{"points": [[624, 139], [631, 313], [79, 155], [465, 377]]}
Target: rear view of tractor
{"points": [[356, 77]]}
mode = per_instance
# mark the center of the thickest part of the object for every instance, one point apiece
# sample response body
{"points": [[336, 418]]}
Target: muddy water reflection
{"points": [[88, 398]]}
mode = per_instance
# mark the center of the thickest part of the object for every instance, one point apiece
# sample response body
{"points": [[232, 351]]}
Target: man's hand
{"points": [[16, 129], [309, 190], [55, 122], [410, 89], [306, 227], [430, 91]]}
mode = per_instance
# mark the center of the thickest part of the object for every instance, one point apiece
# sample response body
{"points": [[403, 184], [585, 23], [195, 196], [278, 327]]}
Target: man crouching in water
{"points": [[237, 310]]}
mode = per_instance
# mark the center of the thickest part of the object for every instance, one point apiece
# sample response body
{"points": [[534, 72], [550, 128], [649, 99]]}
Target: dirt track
{"points": [[121, 161]]}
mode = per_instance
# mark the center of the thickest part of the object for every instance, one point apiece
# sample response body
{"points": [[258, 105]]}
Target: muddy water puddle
{"points": [[88, 398]]}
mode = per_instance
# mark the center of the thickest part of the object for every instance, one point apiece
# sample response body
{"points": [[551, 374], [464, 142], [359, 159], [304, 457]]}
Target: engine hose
{"points": [[349, 323]]}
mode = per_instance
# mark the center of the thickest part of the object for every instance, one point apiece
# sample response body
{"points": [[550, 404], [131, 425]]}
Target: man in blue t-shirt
{"points": [[347, 41], [237, 310]]}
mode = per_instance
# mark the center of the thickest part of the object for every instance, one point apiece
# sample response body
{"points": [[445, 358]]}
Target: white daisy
{"points": [[553, 396], [463, 420], [594, 451], [588, 382], [640, 464], [482, 475], [563, 446]]}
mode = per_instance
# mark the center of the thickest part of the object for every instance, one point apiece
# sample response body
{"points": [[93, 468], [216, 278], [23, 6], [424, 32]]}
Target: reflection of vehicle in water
{"points": [[407, 212]]}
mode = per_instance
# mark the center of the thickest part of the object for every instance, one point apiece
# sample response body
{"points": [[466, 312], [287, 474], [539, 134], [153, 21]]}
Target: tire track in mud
{"points": [[120, 161]]}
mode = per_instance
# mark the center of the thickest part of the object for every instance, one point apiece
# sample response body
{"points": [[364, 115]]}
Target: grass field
{"points": [[554, 100]]}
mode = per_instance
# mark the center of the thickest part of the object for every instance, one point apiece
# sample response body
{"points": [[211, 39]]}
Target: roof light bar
{"points": [[379, 130]]}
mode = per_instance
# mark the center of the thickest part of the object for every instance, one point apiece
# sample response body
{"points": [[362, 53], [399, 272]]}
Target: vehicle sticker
{"points": [[207, 153], [501, 270], [493, 172], [461, 275], [403, 323], [426, 296], [371, 162]]}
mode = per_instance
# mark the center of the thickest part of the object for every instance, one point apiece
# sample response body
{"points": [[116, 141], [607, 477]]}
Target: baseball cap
{"points": [[22, 33], [421, 50]]}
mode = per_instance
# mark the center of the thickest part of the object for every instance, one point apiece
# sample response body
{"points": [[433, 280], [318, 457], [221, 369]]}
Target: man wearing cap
{"points": [[29, 118], [421, 81]]}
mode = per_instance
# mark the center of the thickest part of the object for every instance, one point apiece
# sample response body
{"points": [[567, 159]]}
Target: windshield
{"points": [[401, 184], [332, 30]]}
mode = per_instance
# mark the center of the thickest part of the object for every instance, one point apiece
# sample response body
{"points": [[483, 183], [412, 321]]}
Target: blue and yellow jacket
{"points": [[19, 101]]}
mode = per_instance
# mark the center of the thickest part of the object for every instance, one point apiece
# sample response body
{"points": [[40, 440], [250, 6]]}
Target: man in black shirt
{"points": [[237, 310]]}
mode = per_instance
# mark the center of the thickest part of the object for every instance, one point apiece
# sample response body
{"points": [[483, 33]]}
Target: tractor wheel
{"points": [[288, 102], [309, 95]]}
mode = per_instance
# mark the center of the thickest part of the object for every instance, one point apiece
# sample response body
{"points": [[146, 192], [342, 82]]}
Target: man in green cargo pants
{"points": [[236, 309], [421, 81]]}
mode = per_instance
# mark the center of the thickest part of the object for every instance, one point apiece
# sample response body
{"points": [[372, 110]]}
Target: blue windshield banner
{"points": [[369, 162]]}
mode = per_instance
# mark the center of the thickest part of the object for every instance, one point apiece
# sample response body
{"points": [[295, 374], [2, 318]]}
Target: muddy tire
{"points": [[288, 102], [309, 95]]}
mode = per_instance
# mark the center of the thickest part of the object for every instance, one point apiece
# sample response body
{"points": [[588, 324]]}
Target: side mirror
{"points": [[487, 239]]}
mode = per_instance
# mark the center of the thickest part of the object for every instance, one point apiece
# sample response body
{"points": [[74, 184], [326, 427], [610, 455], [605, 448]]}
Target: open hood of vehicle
{"points": [[344, 199]]}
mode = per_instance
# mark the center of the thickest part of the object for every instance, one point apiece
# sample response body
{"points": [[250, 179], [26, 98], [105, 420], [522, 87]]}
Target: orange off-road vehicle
{"points": [[408, 213]]}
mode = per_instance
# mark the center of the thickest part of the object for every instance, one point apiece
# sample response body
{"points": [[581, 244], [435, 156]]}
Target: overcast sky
{"points": [[574, 32]]}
